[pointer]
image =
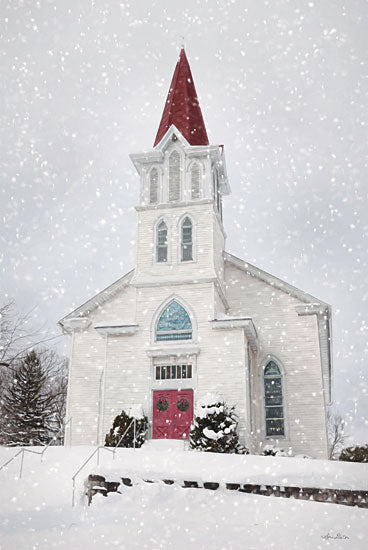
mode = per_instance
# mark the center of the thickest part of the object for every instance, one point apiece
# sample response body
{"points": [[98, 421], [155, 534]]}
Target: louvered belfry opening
{"points": [[154, 186], [174, 176], [195, 181]]}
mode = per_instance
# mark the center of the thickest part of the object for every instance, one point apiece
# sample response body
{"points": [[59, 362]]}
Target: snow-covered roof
{"points": [[117, 326], [98, 299], [273, 281], [313, 306]]}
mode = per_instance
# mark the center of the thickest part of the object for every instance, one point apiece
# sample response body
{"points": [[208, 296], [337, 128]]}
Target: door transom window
{"points": [[173, 372]]}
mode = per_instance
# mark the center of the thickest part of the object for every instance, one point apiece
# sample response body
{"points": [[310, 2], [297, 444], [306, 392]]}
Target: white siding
{"points": [[111, 373], [294, 341]]}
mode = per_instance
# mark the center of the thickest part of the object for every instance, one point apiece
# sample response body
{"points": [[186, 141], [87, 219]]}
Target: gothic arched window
{"points": [[153, 191], [174, 176], [195, 180], [186, 240], [174, 323], [161, 242], [274, 406]]}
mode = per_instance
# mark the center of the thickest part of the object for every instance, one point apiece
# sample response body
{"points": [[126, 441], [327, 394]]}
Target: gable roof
{"points": [[182, 107], [313, 306], [99, 299], [274, 281]]}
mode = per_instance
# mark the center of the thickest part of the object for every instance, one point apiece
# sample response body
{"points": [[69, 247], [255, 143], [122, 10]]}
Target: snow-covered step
{"points": [[164, 445], [98, 484]]}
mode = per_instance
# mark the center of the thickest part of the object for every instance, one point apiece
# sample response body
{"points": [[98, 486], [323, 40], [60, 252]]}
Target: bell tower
{"points": [[180, 236]]}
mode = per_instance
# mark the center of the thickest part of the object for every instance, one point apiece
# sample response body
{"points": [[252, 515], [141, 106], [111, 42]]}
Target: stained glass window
{"points": [[161, 245], [272, 369], [274, 410], [186, 241], [174, 323]]}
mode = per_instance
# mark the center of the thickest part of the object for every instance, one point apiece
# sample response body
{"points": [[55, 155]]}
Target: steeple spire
{"points": [[182, 107]]}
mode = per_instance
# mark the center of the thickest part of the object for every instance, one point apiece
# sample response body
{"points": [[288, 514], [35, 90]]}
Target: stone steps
{"points": [[98, 484]]}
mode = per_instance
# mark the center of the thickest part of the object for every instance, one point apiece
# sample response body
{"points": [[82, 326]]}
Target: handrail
{"points": [[124, 434], [97, 451], [54, 438], [24, 450]]}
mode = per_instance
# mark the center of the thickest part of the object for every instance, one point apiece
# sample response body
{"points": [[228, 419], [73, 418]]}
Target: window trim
{"points": [[282, 375], [189, 243], [171, 334], [178, 366], [156, 245], [155, 319], [180, 239]]}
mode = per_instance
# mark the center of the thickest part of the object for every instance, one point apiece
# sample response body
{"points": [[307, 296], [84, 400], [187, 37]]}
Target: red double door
{"points": [[172, 414]]}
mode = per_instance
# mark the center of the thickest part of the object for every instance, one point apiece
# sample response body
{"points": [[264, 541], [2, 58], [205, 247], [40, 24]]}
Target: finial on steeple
{"points": [[182, 107], [182, 42]]}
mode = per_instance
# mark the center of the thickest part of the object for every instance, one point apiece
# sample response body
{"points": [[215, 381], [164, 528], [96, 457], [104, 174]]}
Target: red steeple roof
{"points": [[182, 107]]}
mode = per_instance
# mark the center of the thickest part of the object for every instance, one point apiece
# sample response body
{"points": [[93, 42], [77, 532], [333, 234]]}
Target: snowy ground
{"points": [[36, 512]]}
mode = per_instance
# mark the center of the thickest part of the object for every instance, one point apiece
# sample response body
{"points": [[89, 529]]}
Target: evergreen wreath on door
{"points": [[162, 404], [183, 404]]}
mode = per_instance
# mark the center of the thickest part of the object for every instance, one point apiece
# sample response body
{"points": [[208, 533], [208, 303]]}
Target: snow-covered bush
{"points": [[215, 427], [121, 424], [358, 453], [271, 450]]}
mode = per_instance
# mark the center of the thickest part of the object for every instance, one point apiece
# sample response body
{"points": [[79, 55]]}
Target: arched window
{"points": [[195, 180], [153, 186], [174, 323], [161, 242], [274, 406], [186, 240], [174, 176]]}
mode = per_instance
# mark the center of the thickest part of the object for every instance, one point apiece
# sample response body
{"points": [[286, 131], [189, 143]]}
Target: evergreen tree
{"points": [[120, 426], [358, 453], [215, 427], [27, 406]]}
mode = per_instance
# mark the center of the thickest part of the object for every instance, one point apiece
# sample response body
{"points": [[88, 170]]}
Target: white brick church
{"points": [[191, 318]]}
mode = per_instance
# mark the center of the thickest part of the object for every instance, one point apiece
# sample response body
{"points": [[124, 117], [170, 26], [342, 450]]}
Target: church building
{"points": [[192, 319]]}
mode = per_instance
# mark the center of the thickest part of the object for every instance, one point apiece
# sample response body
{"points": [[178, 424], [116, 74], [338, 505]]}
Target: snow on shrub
{"points": [[136, 411], [358, 453], [215, 427], [271, 450], [121, 424]]}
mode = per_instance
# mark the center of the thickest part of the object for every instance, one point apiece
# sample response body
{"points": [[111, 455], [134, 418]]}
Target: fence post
{"points": [[98, 456], [73, 500], [70, 431], [134, 434], [21, 464]]}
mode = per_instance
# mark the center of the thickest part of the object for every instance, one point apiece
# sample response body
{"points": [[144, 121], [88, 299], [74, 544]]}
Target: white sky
{"points": [[283, 84]]}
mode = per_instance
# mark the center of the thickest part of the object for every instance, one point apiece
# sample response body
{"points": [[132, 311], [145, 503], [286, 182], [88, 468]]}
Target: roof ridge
{"points": [[92, 303], [273, 280]]}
